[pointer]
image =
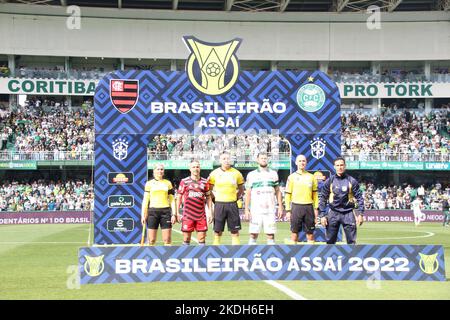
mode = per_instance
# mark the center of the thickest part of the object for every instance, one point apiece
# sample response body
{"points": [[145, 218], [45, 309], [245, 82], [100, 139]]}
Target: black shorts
{"points": [[229, 212], [303, 214], [159, 216]]}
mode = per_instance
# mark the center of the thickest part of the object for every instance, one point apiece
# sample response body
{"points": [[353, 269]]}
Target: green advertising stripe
{"points": [[18, 165], [390, 165], [397, 165], [437, 166]]}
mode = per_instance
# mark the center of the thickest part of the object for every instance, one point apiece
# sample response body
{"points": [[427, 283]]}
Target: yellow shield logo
{"points": [[429, 263], [212, 68], [94, 266]]}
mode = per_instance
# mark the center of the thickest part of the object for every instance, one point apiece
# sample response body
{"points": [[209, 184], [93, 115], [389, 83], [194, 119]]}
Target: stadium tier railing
{"points": [[236, 155], [398, 156], [362, 77], [46, 155], [280, 156], [58, 74]]}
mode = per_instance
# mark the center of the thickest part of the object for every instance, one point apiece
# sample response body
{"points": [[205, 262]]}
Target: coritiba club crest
{"points": [[212, 68]]}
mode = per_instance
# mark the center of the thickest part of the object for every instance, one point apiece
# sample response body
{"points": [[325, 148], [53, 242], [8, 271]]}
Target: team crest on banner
{"points": [[212, 68], [310, 97], [124, 94], [318, 148]]}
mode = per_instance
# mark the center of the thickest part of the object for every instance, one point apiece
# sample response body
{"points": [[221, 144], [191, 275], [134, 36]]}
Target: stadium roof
{"points": [[253, 5]]}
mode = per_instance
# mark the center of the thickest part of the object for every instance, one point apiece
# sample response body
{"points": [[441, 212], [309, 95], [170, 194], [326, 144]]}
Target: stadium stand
{"points": [[395, 134], [45, 195]]}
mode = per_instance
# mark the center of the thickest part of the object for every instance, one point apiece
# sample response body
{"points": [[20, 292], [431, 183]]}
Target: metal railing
{"points": [[367, 77], [56, 74], [363, 77], [208, 155], [398, 156], [279, 156], [46, 155]]}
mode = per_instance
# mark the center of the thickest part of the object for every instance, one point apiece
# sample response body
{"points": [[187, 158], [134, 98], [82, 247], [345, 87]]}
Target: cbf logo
{"points": [[120, 149], [212, 68], [428, 263], [318, 148], [310, 97], [94, 266]]}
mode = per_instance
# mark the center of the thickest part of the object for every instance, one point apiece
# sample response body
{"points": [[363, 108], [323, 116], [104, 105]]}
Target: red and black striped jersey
{"points": [[194, 194]]}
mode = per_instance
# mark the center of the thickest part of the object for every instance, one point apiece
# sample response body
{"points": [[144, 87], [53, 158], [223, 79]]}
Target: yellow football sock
{"points": [[235, 241], [216, 240]]}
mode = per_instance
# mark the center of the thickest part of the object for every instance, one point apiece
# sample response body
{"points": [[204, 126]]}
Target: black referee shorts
{"points": [[229, 212], [159, 217], [302, 214]]}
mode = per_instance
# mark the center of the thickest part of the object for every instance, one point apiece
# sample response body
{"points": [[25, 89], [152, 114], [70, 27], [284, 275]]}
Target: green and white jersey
{"points": [[262, 183]]}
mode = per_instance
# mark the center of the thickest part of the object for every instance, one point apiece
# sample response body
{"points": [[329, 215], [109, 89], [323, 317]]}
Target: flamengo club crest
{"points": [[120, 149], [318, 148], [212, 68], [124, 94]]}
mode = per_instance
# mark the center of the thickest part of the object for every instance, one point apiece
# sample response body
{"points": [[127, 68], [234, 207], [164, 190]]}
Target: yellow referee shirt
{"points": [[225, 184], [158, 194], [301, 188]]}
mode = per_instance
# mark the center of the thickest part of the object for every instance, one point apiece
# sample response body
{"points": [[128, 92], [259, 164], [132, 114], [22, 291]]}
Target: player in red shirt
{"points": [[194, 193]]}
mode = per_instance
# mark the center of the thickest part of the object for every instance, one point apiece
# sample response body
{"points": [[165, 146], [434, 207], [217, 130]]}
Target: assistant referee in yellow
{"points": [[158, 207], [227, 185], [302, 200]]}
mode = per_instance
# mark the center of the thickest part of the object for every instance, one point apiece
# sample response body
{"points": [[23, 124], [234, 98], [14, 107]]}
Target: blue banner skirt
{"points": [[127, 264]]}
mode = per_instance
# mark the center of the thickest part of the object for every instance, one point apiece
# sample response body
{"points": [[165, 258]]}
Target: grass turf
{"points": [[38, 262]]}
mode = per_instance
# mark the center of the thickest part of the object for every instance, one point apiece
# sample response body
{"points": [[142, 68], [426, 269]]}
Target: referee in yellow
{"points": [[158, 207], [227, 185], [302, 200]]}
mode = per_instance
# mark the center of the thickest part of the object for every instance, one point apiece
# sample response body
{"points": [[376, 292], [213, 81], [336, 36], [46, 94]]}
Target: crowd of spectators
{"points": [[392, 197], [49, 195], [241, 147], [59, 72], [45, 195], [440, 75], [59, 129], [366, 75], [4, 71], [396, 135]]}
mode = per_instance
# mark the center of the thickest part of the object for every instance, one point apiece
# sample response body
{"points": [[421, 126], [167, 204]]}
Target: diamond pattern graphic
{"points": [[274, 87]]}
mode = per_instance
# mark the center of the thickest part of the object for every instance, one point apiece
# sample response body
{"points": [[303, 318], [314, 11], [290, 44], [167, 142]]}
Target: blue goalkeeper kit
{"points": [[340, 193]]}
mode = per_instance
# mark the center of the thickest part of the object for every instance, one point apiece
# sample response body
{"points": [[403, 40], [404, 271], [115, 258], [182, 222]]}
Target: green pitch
{"points": [[39, 262]]}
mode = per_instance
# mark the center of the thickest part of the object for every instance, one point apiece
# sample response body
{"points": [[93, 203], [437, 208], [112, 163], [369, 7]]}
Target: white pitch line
{"points": [[428, 234], [291, 293], [294, 295]]}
